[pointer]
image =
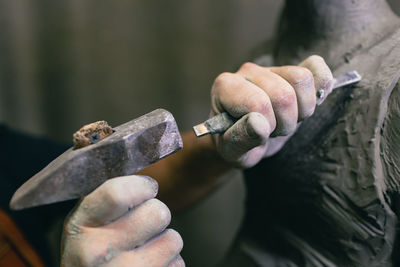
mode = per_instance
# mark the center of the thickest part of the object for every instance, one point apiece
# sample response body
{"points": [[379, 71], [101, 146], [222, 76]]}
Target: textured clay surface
{"points": [[330, 197]]}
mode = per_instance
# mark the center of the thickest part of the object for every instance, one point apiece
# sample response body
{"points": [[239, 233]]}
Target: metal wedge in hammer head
{"points": [[78, 171]]}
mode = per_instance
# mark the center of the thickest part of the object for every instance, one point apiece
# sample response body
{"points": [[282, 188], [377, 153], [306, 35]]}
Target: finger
{"points": [[245, 141], [177, 262], [97, 245], [163, 248], [280, 92], [233, 94], [323, 78], [138, 226], [112, 199], [301, 79], [159, 251]]}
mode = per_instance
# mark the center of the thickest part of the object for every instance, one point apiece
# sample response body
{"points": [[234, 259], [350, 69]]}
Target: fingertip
{"points": [[318, 67], [114, 198], [132, 188], [177, 262], [243, 144], [249, 131], [175, 238], [305, 113], [315, 58], [157, 214], [258, 126], [323, 77], [152, 182]]}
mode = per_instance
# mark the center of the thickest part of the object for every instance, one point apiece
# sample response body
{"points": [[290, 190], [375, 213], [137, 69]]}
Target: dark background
{"points": [[67, 63]]}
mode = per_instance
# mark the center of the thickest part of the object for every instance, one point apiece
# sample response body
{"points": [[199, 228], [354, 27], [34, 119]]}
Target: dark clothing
{"points": [[21, 157]]}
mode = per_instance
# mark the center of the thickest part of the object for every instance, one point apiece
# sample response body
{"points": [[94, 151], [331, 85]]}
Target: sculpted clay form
{"points": [[330, 197]]}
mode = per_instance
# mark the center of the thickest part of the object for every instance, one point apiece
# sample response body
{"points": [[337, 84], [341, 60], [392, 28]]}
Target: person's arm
{"points": [[189, 174], [268, 102]]}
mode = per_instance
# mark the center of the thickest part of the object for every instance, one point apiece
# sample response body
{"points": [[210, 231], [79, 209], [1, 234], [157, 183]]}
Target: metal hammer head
{"points": [[75, 173]]}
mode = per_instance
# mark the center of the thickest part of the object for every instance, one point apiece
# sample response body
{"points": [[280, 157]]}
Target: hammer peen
{"points": [[130, 148]]}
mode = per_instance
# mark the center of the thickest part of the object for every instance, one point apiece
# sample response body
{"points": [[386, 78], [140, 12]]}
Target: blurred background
{"points": [[67, 63]]}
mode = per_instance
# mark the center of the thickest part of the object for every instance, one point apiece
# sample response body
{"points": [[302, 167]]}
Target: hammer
{"points": [[128, 149]]}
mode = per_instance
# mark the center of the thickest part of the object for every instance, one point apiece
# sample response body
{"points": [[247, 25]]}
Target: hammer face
{"points": [[132, 147]]}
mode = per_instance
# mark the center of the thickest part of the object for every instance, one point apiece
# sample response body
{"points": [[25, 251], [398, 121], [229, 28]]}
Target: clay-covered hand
{"points": [[121, 224], [269, 103]]}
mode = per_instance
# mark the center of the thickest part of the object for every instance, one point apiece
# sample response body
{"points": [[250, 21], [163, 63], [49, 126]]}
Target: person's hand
{"points": [[269, 103], [121, 224]]}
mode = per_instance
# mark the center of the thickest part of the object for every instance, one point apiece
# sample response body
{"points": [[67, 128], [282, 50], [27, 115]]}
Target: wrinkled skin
{"points": [[270, 103], [121, 224]]}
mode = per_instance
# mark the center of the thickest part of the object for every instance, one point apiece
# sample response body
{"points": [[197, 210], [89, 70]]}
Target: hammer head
{"points": [[75, 173]]}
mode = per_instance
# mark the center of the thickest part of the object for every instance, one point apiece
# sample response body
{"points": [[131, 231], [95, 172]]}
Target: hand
{"points": [[121, 224], [269, 103]]}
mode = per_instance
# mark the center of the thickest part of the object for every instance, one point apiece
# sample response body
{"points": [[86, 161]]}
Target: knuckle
{"points": [[316, 59], [108, 183], [287, 99], [300, 76], [223, 84], [223, 79], [314, 63], [259, 103], [247, 66], [91, 253]]}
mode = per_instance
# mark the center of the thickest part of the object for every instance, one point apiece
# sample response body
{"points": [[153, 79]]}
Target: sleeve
{"points": [[21, 157]]}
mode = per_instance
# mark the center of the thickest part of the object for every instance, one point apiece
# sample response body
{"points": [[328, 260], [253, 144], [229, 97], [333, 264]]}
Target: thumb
{"points": [[245, 142], [323, 78]]}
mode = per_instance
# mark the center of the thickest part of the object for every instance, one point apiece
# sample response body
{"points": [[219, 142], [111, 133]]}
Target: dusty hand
{"points": [[121, 224], [269, 102]]}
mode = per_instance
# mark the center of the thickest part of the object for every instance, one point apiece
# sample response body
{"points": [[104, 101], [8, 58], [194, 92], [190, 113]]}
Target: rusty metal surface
{"points": [[75, 173]]}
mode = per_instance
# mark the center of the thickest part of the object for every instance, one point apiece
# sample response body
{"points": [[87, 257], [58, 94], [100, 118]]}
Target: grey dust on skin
{"points": [[330, 197], [223, 121]]}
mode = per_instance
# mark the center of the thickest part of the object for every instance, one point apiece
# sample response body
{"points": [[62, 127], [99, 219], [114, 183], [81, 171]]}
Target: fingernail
{"points": [[152, 181], [320, 94]]}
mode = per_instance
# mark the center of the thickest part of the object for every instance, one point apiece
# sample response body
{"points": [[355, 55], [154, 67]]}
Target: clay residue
{"points": [[91, 134]]}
